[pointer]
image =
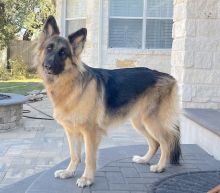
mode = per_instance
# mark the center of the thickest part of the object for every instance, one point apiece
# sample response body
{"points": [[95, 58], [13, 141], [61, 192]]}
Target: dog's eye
{"points": [[62, 52], [49, 47]]}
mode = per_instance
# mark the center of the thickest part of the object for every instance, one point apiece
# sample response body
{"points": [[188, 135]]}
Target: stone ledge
{"points": [[208, 118], [134, 51], [11, 111], [14, 100], [21, 186], [116, 172]]}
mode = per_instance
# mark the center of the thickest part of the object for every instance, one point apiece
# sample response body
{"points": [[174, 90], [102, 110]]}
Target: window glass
{"points": [[125, 33], [126, 24], [158, 33], [75, 8], [74, 25], [159, 8], [126, 8]]}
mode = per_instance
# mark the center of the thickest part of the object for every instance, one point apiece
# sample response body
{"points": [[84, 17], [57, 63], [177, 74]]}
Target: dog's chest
{"points": [[76, 110], [68, 118], [72, 118]]}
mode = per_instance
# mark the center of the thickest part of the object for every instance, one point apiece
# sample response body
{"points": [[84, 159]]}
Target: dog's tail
{"points": [[175, 153]]}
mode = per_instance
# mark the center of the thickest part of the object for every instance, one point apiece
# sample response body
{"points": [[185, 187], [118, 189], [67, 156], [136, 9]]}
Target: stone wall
{"points": [[195, 57], [90, 55], [194, 133], [10, 117]]}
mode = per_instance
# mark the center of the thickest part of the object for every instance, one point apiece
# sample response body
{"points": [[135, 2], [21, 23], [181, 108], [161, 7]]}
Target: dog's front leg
{"points": [[91, 139], [75, 143]]}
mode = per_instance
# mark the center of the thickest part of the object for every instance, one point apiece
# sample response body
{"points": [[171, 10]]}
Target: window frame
{"points": [[144, 19], [66, 19]]}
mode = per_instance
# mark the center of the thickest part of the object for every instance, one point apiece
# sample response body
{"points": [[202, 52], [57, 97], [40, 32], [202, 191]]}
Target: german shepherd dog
{"points": [[87, 101]]}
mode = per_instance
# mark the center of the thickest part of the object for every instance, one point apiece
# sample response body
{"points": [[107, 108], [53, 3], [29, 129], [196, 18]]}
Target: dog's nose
{"points": [[48, 66]]}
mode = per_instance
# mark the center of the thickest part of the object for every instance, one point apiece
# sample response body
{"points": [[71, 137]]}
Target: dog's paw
{"points": [[63, 174], [139, 159], [156, 168], [83, 182]]}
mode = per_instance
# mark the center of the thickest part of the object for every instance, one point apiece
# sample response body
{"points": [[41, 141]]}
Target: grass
{"points": [[20, 86]]}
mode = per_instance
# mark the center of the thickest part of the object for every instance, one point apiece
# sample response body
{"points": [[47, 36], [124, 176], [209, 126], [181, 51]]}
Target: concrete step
{"points": [[117, 173], [20, 186], [202, 127]]}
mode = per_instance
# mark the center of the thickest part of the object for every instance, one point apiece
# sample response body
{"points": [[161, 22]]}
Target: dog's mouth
{"points": [[53, 69], [50, 71]]}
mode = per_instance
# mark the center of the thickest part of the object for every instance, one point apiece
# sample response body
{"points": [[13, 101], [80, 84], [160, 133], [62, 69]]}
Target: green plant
{"points": [[19, 68], [4, 73], [19, 71], [22, 16]]}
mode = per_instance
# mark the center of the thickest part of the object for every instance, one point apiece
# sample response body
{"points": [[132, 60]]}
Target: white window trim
{"points": [[63, 21], [144, 25], [65, 18], [122, 17], [144, 18], [74, 18]]}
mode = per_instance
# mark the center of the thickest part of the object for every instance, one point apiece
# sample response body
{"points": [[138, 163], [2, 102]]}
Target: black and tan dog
{"points": [[87, 101]]}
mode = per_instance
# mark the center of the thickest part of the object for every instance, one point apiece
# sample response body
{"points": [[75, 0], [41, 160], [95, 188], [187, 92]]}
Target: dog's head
{"points": [[57, 54]]}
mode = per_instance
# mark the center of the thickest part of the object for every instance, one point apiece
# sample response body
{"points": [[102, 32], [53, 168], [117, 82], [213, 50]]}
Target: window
{"points": [[75, 15], [142, 24]]}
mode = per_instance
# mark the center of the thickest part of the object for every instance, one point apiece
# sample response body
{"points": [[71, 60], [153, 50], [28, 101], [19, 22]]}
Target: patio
{"points": [[117, 174], [30, 155], [41, 144]]}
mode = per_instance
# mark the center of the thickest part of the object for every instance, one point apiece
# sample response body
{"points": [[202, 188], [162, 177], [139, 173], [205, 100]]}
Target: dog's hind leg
{"points": [[75, 144], [152, 143], [92, 139], [162, 136]]}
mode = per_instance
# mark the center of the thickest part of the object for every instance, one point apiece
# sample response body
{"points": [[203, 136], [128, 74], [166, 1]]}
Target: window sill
{"points": [[138, 51]]}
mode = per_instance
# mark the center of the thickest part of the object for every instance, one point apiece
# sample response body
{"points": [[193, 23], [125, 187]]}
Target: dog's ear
{"points": [[50, 29], [77, 40]]}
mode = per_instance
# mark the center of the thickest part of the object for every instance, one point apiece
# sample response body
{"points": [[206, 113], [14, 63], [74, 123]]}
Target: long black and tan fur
{"points": [[88, 101]]}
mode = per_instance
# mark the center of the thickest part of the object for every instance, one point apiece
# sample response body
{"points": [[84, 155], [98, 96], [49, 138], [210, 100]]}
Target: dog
{"points": [[88, 101]]}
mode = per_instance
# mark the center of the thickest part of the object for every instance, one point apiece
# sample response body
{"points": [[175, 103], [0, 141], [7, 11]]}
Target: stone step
{"points": [[202, 127], [117, 173], [20, 186]]}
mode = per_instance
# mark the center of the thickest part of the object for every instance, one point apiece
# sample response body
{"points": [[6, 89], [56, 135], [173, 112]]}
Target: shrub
{"points": [[5, 74], [19, 68]]}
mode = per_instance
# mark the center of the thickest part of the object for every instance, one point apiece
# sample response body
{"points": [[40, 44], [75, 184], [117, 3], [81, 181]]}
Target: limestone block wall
{"points": [[193, 133], [121, 58], [90, 54], [195, 57]]}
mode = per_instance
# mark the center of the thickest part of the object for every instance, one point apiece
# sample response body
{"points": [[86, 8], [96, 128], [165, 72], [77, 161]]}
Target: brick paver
{"points": [[41, 144], [117, 173]]}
